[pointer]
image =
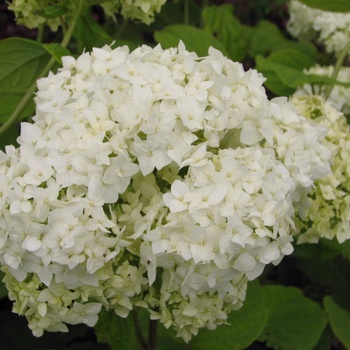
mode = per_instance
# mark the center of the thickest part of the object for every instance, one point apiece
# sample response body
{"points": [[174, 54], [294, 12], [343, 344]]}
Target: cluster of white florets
{"points": [[154, 179], [328, 215], [331, 29], [141, 10], [31, 13], [340, 95]]}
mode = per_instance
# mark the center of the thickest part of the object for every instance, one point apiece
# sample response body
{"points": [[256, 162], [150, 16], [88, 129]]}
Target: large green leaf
{"points": [[325, 249], [288, 66], [114, 330], [21, 61], [57, 51], [54, 11], [332, 275], [275, 85], [90, 34], [293, 58], [281, 69], [12, 100], [195, 39], [173, 13], [245, 325], [9, 137], [325, 341], [266, 38], [339, 319], [326, 5], [3, 289], [220, 21], [295, 322]]}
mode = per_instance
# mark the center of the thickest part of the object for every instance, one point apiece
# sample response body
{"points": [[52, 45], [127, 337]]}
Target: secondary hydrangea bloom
{"points": [[142, 10], [30, 13], [340, 95], [155, 179], [328, 214], [331, 29]]}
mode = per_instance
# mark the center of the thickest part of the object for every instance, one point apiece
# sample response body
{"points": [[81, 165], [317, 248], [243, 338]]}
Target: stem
{"points": [[69, 31], [28, 95], [40, 35], [186, 12], [138, 331], [25, 99], [152, 334], [337, 68], [63, 25], [121, 29]]}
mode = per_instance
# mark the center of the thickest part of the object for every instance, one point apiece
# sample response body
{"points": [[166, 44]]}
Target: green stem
{"points": [[40, 35], [138, 331], [337, 68], [63, 25], [69, 31], [121, 29], [186, 12], [29, 94], [152, 335]]}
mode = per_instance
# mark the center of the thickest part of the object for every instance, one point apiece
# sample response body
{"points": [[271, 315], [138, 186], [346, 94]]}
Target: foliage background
{"points": [[304, 303]]}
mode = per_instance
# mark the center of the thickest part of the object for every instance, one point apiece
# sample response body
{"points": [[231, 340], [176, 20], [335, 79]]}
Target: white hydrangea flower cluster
{"points": [[331, 29], [340, 95], [142, 10], [328, 215], [152, 178], [30, 13]]}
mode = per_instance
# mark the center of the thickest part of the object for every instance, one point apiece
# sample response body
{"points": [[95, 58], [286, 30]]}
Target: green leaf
{"points": [[325, 341], [9, 137], [195, 39], [220, 21], [3, 289], [266, 38], [173, 13], [57, 51], [295, 322], [293, 58], [131, 35], [21, 61], [288, 66], [12, 100], [275, 85], [326, 5], [332, 275], [90, 34], [339, 320], [245, 325], [114, 330], [277, 69], [53, 11], [325, 249], [167, 340]]}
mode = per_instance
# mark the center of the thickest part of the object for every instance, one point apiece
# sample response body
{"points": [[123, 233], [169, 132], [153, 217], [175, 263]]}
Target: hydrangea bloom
{"points": [[330, 29], [142, 10], [328, 214], [152, 178], [30, 13], [340, 95]]}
